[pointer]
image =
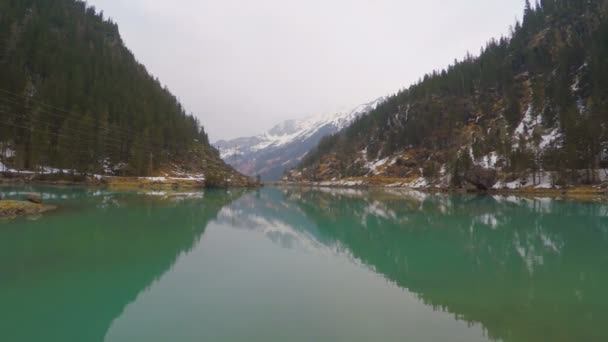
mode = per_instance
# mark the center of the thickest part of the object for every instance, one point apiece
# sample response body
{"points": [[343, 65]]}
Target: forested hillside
{"points": [[72, 96], [531, 108]]}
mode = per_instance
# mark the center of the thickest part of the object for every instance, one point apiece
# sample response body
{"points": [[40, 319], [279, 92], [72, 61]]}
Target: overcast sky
{"points": [[242, 66]]}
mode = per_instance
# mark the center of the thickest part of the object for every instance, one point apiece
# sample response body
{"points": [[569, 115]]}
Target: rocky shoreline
{"points": [[126, 182], [10, 209], [582, 192]]}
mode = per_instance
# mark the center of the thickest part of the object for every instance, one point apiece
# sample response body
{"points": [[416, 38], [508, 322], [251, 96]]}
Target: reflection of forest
{"points": [[528, 270], [66, 278]]}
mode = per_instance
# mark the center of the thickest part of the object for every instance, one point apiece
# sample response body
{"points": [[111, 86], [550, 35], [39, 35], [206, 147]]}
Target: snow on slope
{"points": [[287, 143], [295, 130]]}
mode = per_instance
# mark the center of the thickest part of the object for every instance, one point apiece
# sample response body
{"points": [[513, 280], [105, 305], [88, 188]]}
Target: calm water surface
{"points": [[303, 265]]}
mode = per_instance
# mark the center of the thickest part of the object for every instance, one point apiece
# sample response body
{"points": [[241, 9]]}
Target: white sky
{"points": [[242, 66]]}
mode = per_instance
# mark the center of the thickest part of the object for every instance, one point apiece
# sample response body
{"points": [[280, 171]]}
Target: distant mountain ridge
{"points": [[286, 144]]}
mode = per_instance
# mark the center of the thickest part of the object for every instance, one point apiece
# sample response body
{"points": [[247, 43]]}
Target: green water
{"points": [[303, 265]]}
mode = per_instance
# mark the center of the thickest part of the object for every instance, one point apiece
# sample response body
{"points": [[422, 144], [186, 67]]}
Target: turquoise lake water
{"points": [[303, 265]]}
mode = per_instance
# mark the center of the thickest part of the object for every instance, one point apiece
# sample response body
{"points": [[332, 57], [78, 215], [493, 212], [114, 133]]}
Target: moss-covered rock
{"points": [[13, 209]]}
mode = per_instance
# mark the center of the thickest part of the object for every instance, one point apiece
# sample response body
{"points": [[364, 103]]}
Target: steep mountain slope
{"points": [[530, 110], [286, 144], [73, 97]]}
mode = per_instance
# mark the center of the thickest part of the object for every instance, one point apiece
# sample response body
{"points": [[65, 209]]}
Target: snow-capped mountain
{"points": [[283, 146]]}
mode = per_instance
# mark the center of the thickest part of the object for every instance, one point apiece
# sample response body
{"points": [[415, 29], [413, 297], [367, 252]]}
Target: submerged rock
{"points": [[13, 209]]}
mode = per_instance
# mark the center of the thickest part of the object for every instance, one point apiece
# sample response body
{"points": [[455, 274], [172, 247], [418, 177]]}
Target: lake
{"points": [[303, 265]]}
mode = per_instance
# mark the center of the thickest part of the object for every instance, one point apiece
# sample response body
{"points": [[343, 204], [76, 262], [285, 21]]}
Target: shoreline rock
{"points": [[34, 198], [12, 209]]}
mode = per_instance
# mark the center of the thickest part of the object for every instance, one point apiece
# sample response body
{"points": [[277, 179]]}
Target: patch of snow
{"points": [[192, 178], [51, 170], [525, 129], [107, 166], [351, 183], [420, 183], [154, 179], [526, 123], [499, 185], [517, 184], [603, 175], [375, 166], [292, 131], [549, 139], [230, 153], [576, 87], [302, 156], [45, 170], [4, 168], [487, 162], [580, 105], [7, 152], [155, 193], [303, 129], [544, 180]]}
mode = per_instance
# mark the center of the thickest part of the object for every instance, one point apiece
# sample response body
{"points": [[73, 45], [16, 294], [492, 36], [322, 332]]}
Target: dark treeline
{"points": [[553, 67], [73, 96]]}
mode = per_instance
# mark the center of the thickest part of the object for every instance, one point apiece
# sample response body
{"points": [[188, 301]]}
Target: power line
{"points": [[61, 110], [91, 152], [90, 139], [39, 131], [79, 152], [51, 107], [107, 140], [110, 130], [120, 139], [73, 150], [64, 117], [63, 128]]}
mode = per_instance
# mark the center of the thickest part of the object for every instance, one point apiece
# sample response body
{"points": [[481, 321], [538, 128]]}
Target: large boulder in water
{"points": [[482, 179]]}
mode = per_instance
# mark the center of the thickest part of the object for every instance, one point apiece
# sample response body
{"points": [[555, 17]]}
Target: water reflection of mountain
{"points": [[528, 270], [93, 264]]}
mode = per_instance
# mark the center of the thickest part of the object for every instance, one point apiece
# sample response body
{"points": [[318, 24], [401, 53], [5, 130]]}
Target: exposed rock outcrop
{"points": [[482, 179]]}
